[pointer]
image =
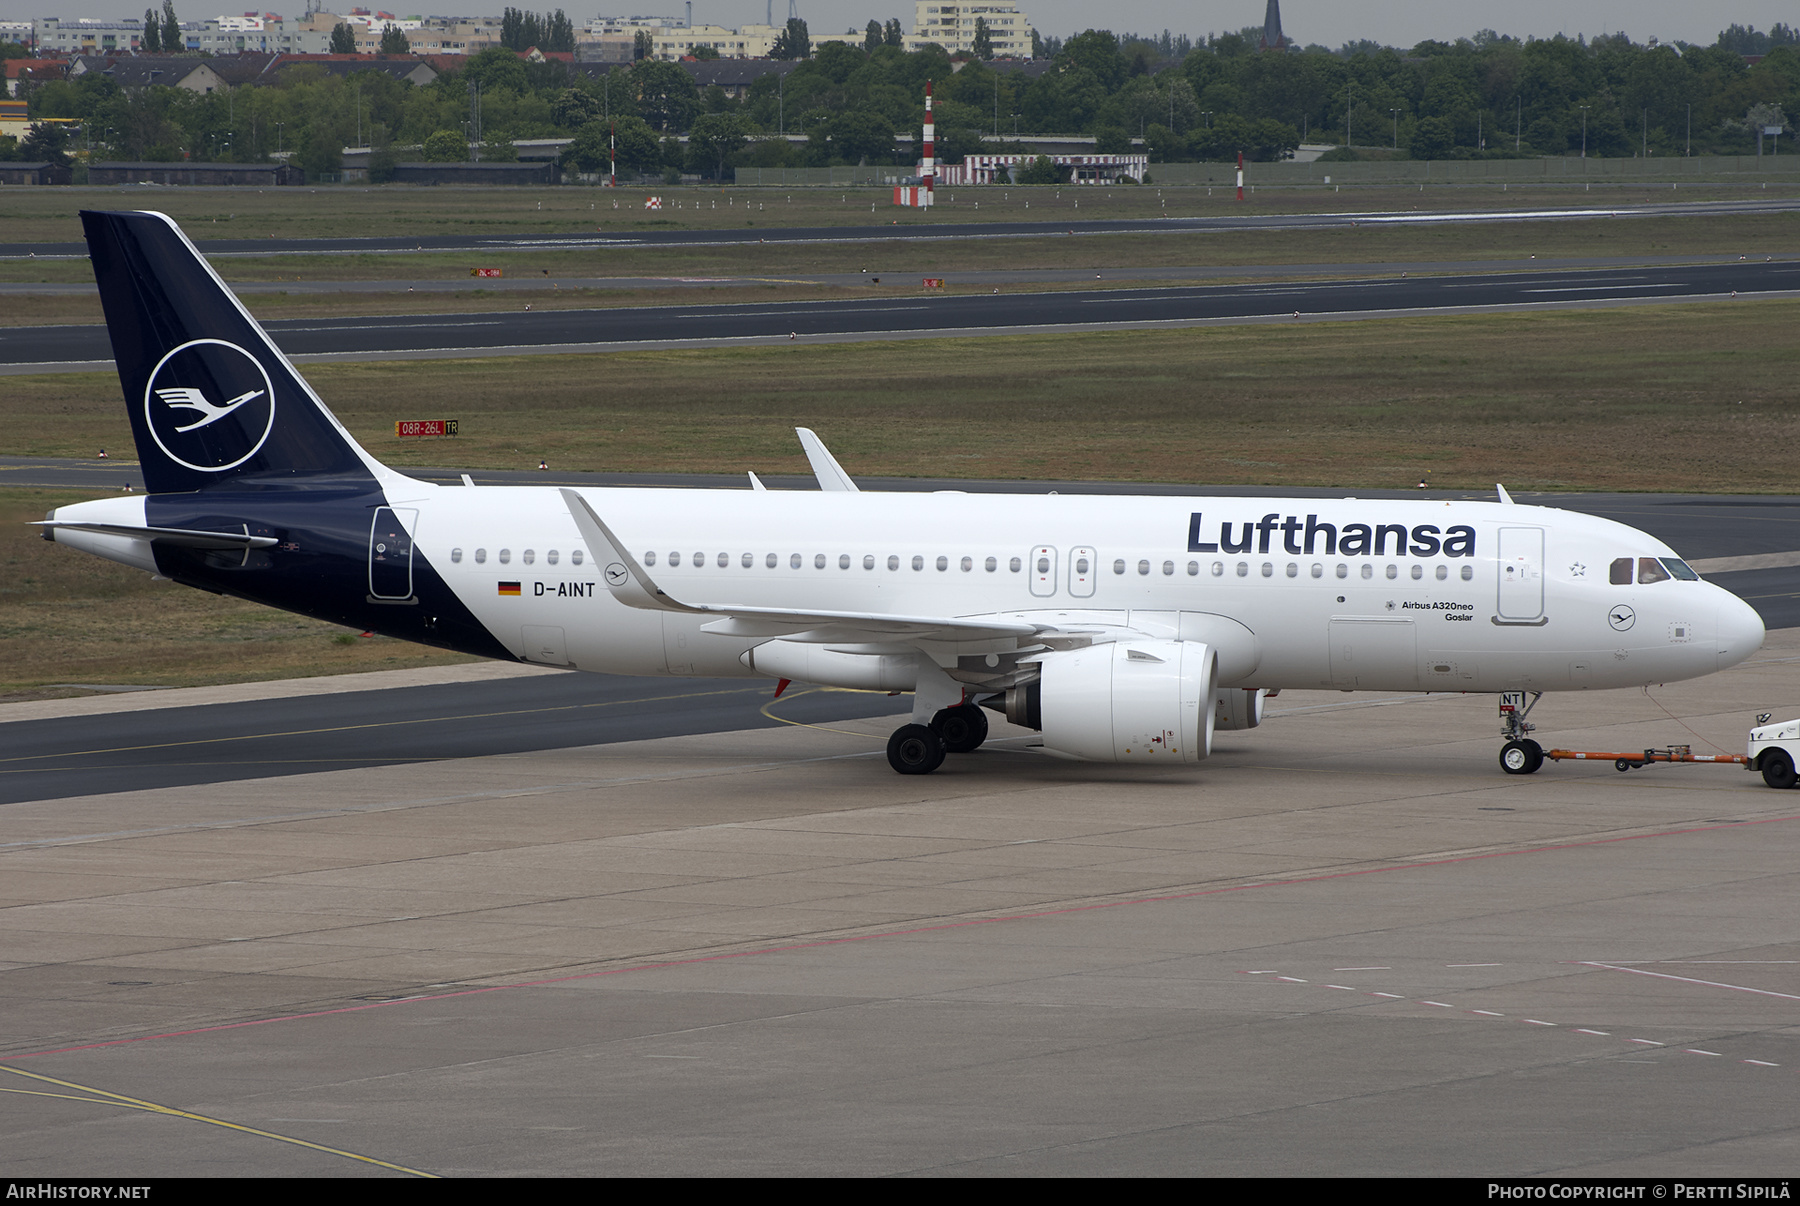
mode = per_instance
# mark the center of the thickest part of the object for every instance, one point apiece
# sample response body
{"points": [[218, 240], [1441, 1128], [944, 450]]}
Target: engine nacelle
{"points": [[1130, 701], [1237, 709]]}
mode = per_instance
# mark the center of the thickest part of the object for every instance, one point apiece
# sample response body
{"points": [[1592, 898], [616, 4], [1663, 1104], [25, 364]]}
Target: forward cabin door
{"points": [[1520, 565]]}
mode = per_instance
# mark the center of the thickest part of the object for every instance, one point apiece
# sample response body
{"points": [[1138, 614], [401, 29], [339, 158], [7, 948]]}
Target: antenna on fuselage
{"points": [[1504, 496]]}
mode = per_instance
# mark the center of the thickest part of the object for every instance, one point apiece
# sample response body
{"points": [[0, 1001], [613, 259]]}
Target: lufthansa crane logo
{"points": [[1621, 617], [616, 574], [210, 405]]}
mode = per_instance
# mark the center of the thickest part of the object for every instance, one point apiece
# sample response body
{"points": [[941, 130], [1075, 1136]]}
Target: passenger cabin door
{"points": [[1520, 566], [390, 555]]}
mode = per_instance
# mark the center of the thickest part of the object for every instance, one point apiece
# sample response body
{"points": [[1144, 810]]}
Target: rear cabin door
{"points": [[390, 554]]}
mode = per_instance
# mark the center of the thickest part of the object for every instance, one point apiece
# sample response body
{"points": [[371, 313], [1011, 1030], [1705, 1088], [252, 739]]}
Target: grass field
{"points": [[50, 214], [1689, 398], [66, 618]]}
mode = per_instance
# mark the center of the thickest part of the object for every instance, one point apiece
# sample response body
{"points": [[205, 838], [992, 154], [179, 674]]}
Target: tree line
{"points": [[1484, 96]]}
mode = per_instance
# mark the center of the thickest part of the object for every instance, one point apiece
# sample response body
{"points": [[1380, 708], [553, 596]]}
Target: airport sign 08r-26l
{"points": [[425, 427]]}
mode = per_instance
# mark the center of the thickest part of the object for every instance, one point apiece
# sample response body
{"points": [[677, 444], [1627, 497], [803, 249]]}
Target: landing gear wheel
{"points": [[1778, 769], [915, 749], [963, 728], [1521, 757]]}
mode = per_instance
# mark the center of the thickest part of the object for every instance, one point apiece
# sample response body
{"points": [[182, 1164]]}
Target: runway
{"points": [[547, 284], [1346, 945], [909, 313], [928, 229]]}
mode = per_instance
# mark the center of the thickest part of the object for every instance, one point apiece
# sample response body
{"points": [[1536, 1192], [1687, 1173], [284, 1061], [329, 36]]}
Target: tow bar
{"points": [[1625, 762]]}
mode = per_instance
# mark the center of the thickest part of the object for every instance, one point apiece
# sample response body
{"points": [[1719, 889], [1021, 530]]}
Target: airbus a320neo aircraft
{"points": [[1122, 629]]}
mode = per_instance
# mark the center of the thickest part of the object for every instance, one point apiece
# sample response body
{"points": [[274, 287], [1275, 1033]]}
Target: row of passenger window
{"points": [[1318, 571], [528, 557], [844, 561], [1015, 565], [991, 564]]}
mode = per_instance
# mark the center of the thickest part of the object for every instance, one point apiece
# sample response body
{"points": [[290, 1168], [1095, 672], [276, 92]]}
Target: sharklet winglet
{"points": [[831, 475]]}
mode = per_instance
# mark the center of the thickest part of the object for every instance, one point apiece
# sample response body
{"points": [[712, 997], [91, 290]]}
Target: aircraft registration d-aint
{"points": [[1121, 629]]}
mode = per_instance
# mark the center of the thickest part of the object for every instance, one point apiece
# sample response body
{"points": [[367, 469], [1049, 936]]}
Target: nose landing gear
{"points": [[1520, 755]]}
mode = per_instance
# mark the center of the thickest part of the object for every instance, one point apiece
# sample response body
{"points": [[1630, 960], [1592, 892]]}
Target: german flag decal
{"points": [[509, 588]]}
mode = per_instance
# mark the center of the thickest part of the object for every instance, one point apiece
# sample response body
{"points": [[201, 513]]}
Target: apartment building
{"points": [[745, 42], [952, 26]]}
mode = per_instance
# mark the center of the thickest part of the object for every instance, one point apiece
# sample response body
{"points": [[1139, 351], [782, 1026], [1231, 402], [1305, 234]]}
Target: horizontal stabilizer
{"points": [[187, 538]]}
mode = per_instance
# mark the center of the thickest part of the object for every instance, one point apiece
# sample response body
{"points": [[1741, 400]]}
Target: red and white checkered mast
{"points": [[928, 165]]}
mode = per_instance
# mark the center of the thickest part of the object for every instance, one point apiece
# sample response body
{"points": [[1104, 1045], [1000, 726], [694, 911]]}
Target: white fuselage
{"points": [[1519, 599]]}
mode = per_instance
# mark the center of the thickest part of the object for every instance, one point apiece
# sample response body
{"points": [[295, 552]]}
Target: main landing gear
{"points": [[1520, 755], [919, 749]]}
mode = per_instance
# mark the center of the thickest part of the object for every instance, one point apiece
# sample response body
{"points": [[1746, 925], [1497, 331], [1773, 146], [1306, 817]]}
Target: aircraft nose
{"points": [[1740, 630]]}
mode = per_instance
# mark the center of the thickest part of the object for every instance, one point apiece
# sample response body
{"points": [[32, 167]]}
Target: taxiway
{"points": [[1345, 945]]}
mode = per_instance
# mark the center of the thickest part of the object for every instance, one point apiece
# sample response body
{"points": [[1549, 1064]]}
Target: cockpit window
{"points": [[1651, 570], [1680, 569], [1621, 572]]}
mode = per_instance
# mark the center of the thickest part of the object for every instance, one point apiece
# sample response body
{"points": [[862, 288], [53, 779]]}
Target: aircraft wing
{"points": [[633, 586]]}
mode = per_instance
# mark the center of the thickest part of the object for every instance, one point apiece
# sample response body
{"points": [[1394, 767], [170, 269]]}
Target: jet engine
{"points": [[1129, 701], [1235, 708]]}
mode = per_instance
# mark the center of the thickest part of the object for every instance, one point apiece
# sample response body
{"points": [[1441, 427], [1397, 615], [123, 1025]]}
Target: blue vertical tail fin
{"points": [[212, 399]]}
